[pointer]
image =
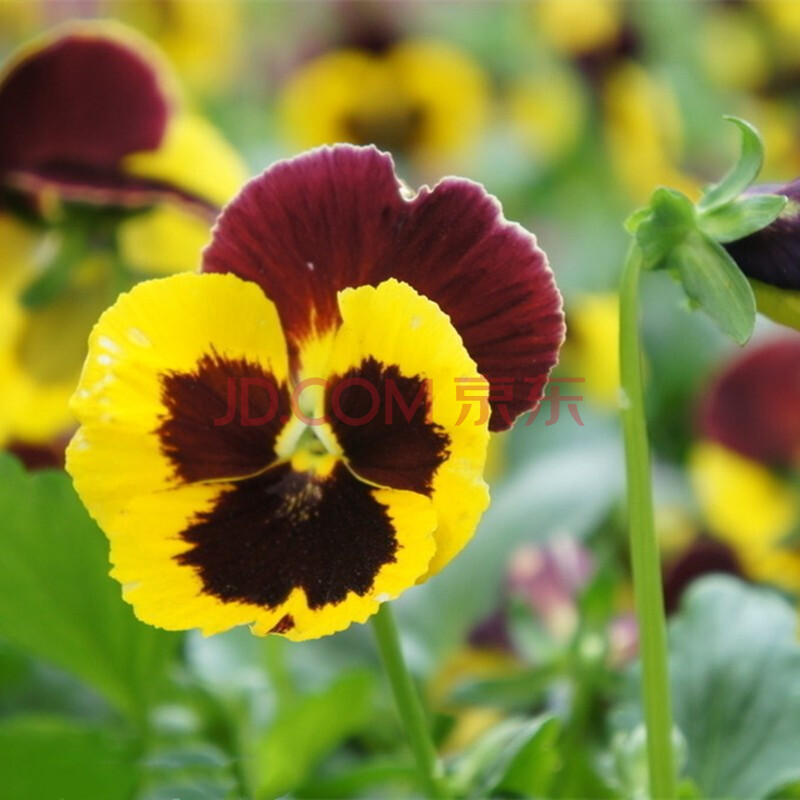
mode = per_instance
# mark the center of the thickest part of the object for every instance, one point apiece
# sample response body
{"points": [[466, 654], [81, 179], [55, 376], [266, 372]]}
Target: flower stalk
{"points": [[408, 704], [645, 558]]}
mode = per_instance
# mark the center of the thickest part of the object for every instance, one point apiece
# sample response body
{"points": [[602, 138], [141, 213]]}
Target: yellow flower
{"points": [[295, 451], [547, 112], [145, 207], [643, 132], [576, 27], [751, 509], [202, 42], [317, 536], [591, 351], [735, 50], [424, 99]]}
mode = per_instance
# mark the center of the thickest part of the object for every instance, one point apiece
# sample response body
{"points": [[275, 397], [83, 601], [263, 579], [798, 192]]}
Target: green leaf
{"points": [[310, 728], [517, 756], [743, 173], [362, 779], [193, 770], [780, 305], [712, 281], [530, 771], [742, 217], [736, 688], [57, 601], [670, 220], [55, 759]]}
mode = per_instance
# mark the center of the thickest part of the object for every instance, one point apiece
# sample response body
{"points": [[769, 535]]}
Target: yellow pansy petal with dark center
{"points": [[155, 388], [403, 345], [229, 510]]}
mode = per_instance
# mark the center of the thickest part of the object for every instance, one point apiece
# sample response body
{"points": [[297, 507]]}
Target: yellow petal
{"points": [[748, 507], [397, 327], [160, 328], [165, 240], [194, 157]]}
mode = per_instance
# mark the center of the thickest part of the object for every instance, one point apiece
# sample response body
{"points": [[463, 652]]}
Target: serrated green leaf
{"points": [[742, 174], [670, 220], [713, 282], [57, 601], [742, 217], [308, 729], [56, 759], [736, 688]]}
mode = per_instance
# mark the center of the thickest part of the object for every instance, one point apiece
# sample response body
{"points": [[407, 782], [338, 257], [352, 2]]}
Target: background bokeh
{"points": [[571, 112]]}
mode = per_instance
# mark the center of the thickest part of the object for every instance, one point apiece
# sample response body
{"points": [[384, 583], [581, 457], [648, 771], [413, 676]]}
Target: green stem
{"points": [[408, 703], [280, 676], [645, 556]]}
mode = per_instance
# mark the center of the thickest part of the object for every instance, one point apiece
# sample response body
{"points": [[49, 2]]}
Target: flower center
{"points": [[308, 448]]}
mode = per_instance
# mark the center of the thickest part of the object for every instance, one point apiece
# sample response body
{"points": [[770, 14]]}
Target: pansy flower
{"points": [[746, 463], [770, 257], [424, 100], [98, 187], [296, 445], [205, 49]]}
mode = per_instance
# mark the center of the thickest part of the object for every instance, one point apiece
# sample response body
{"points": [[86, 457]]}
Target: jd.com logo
{"points": [[245, 395]]}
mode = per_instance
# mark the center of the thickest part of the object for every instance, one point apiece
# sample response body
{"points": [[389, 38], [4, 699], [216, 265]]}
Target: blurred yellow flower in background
{"points": [[749, 508], [425, 100], [547, 111], [116, 184], [736, 52], [591, 349], [643, 132], [744, 468], [579, 26], [202, 41]]}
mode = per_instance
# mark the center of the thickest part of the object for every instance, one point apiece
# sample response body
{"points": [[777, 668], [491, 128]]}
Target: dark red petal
{"points": [[284, 530], [83, 101], [383, 429], [703, 557], [205, 435], [335, 217], [754, 406]]}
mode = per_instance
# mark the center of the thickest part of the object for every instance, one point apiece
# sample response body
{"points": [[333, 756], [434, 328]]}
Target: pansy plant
{"points": [[284, 440]]}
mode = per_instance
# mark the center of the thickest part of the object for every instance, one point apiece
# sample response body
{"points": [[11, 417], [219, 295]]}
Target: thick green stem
{"points": [[408, 703], [645, 557]]}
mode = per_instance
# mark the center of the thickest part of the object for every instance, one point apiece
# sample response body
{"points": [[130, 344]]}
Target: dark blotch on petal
{"points": [[201, 449], [335, 217], [285, 624], [284, 530], [753, 407], [397, 446], [772, 255]]}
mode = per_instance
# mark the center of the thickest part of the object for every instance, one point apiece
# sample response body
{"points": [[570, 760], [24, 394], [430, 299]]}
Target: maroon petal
{"points": [[73, 108], [337, 217], [754, 406]]}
